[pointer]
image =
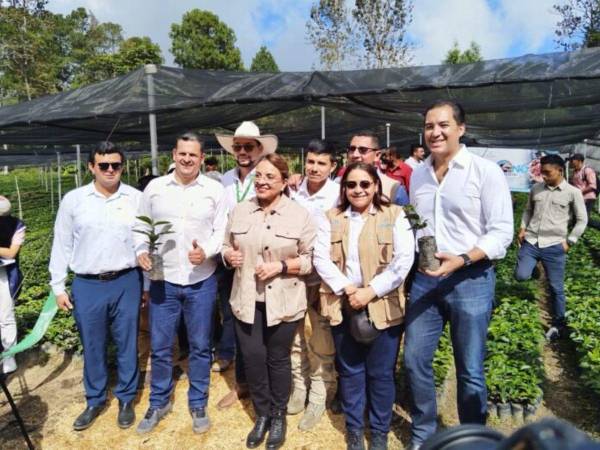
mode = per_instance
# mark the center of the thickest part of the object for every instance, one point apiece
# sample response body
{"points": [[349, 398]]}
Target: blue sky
{"points": [[503, 28]]}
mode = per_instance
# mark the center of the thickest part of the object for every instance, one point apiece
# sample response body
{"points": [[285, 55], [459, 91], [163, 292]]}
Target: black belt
{"points": [[106, 276]]}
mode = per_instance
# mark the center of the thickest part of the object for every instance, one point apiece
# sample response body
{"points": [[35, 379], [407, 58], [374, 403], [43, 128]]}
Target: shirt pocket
{"points": [[385, 242], [559, 209], [239, 232], [286, 241], [335, 241]]}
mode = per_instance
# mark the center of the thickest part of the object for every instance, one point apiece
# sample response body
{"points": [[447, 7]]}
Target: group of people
{"points": [[310, 275]]}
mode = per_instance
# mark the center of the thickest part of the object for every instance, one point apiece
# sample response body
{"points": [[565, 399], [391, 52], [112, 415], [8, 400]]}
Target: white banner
{"points": [[521, 166]]}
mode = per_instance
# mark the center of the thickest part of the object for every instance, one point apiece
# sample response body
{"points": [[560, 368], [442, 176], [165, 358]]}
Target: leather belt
{"points": [[106, 276]]}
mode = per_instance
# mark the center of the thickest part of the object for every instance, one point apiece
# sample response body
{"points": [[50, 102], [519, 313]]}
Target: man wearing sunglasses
{"points": [[247, 146], [93, 237]]}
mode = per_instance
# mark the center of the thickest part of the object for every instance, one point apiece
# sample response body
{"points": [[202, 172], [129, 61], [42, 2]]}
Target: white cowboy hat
{"points": [[248, 130], [4, 206]]}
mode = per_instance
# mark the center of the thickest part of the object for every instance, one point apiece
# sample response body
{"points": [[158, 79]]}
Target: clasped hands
{"points": [[358, 298], [264, 271]]}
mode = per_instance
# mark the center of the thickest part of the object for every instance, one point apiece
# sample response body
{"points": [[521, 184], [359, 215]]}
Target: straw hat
{"points": [[4, 206], [248, 130]]}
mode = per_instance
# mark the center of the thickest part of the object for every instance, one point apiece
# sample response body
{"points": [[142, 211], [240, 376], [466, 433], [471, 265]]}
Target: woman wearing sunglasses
{"points": [[269, 242], [364, 250]]}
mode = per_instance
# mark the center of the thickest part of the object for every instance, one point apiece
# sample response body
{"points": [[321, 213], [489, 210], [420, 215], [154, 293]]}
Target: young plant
{"points": [[427, 244], [153, 235]]}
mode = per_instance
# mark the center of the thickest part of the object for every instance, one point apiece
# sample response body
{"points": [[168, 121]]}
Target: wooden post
{"points": [[51, 190], [59, 181]]}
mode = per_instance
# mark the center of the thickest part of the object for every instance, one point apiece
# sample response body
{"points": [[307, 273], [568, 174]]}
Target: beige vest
{"points": [[375, 249]]}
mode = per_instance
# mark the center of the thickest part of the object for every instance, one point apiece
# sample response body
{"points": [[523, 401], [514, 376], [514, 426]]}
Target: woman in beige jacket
{"points": [[269, 242]]}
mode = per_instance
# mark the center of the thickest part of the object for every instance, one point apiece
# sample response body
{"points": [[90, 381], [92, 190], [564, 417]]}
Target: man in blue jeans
{"points": [[466, 204], [544, 233], [193, 205]]}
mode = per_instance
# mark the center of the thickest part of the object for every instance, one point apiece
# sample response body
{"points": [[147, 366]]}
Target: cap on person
{"points": [[4, 206]]}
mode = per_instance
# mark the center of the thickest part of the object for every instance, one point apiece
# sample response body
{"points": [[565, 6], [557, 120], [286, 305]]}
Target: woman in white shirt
{"points": [[364, 250]]}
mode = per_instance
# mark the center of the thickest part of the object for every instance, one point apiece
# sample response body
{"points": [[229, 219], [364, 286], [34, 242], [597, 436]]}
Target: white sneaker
{"points": [[9, 365]]}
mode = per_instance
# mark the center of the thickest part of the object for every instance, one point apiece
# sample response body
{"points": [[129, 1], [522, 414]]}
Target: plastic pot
{"points": [[157, 272], [517, 412], [492, 409], [529, 413], [504, 411], [427, 251]]}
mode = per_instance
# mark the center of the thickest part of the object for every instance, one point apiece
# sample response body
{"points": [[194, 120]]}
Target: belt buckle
{"points": [[106, 276]]}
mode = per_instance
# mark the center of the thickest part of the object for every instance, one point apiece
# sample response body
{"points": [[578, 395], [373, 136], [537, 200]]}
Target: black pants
{"points": [[266, 355]]}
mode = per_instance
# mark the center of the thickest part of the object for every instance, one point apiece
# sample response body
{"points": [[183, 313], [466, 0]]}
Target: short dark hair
{"points": [[144, 181], [394, 152], [369, 133], [190, 136], [555, 160], [211, 161], [379, 200], [321, 147], [458, 111], [414, 148], [577, 157], [105, 148]]}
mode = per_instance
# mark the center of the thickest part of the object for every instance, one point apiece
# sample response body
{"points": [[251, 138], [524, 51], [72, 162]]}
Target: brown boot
{"points": [[238, 393]]}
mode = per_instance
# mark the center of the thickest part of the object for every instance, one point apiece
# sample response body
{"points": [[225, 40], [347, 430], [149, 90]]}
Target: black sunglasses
{"points": [[364, 184], [361, 150], [115, 166], [248, 147]]}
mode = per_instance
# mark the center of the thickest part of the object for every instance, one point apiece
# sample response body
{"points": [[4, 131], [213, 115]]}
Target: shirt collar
{"points": [[236, 175], [321, 193], [372, 211], [281, 204], [172, 180], [561, 186], [462, 158], [91, 190]]}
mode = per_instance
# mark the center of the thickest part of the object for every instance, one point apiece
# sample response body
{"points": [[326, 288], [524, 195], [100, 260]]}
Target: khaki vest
{"points": [[377, 233]]}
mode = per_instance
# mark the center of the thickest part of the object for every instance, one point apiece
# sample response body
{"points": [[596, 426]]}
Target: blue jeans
{"points": [[167, 303], [98, 307], [553, 259], [366, 377], [465, 299]]}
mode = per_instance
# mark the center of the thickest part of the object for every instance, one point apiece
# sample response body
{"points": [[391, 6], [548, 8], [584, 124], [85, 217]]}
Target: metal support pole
{"points": [[46, 178], [59, 181], [302, 160], [51, 190], [387, 135], [79, 180], [128, 177], [151, 69], [19, 198], [322, 122]]}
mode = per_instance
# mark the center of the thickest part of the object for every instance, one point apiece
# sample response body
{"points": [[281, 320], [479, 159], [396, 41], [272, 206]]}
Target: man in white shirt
{"points": [[194, 206], [417, 156], [466, 203], [247, 146], [93, 237], [313, 355]]}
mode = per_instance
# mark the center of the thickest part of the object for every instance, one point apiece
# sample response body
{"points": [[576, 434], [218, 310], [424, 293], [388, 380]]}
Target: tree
{"points": [[382, 25], [263, 61], [330, 33], [470, 55], [579, 25], [202, 41]]}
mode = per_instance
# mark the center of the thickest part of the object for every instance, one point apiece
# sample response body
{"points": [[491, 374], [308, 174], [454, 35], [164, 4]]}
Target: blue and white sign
{"points": [[521, 166]]}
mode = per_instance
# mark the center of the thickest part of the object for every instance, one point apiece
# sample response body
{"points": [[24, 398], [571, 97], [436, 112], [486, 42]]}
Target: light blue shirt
{"points": [[93, 233]]}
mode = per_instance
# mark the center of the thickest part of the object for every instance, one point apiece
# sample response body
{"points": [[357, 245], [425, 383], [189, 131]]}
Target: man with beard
{"points": [[247, 146]]}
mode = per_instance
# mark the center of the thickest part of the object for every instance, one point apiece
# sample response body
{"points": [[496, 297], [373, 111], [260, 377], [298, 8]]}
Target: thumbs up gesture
{"points": [[234, 256], [196, 255]]}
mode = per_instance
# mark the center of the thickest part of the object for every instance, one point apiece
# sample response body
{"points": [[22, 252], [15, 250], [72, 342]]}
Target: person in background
{"points": [[364, 250], [12, 235], [211, 168], [417, 156], [93, 236], [465, 201], [194, 206], [584, 179], [313, 353], [544, 234], [397, 169], [247, 146], [269, 242]]}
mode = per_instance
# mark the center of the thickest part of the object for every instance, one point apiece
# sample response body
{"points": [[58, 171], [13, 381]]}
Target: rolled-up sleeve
{"points": [[402, 259], [496, 205], [212, 246], [306, 245], [326, 269], [581, 218]]}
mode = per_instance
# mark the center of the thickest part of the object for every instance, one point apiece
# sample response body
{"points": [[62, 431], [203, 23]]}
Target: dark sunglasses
{"points": [[238, 147], [361, 150], [115, 166], [364, 184]]}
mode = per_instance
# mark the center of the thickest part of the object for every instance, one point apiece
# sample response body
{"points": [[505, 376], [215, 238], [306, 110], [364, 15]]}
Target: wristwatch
{"points": [[284, 267], [468, 261]]}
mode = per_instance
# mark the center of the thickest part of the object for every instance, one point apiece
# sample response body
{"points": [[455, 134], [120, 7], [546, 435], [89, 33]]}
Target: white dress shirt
{"points": [[386, 281], [196, 211], [322, 200], [412, 162], [471, 207], [237, 191], [93, 234]]}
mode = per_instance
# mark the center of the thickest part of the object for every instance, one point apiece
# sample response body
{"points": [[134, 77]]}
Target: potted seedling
{"points": [[153, 234], [427, 244]]}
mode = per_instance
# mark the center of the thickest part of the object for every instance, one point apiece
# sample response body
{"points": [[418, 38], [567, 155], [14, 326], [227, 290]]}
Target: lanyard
{"points": [[237, 189]]}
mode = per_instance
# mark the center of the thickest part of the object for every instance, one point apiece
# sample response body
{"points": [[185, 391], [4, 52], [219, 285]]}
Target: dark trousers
{"points": [[465, 299], [366, 377], [168, 302], [98, 307], [553, 260], [266, 355]]}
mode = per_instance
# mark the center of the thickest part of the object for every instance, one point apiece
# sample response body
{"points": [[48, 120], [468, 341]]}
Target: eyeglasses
{"points": [[248, 147], [267, 178], [362, 150], [364, 184], [103, 166]]}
